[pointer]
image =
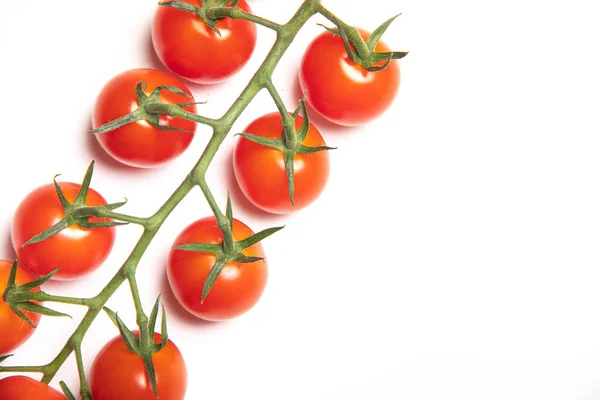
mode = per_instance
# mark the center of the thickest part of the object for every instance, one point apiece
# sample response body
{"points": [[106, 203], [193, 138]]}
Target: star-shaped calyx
{"points": [[290, 142], [149, 109], [363, 52], [77, 212]]}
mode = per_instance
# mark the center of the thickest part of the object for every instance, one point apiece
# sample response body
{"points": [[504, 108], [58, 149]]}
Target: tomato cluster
{"points": [[280, 162]]}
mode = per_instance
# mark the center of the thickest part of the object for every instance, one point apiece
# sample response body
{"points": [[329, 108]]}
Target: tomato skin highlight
{"points": [[118, 373], [237, 289], [139, 144], [339, 89], [13, 330], [19, 387], [190, 49], [76, 251], [260, 170]]}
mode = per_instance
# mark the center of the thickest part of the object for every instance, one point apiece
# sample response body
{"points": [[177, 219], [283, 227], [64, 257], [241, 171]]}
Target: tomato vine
{"points": [[79, 213]]}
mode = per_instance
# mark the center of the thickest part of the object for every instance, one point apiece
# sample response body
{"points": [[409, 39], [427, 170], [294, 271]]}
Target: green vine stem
{"points": [[106, 213], [141, 317], [262, 79], [238, 13], [84, 390], [289, 131], [361, 47], [45, 297]]}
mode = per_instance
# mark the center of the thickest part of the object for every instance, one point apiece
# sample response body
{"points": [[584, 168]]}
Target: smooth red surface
{"points": [[195, 52], [341, 90], [260, 170], [13, 330], [139, 144], [76, 251], [237, 289], [118, 374], [24, 388]]}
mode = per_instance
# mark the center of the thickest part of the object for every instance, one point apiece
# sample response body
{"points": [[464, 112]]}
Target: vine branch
{"points": [[222, 126]]}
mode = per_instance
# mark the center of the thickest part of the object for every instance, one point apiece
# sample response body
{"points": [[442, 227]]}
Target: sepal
{"points": [[19, 297]]}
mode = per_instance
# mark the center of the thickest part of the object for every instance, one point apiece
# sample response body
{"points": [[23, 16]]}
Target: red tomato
{"points": [[260, 170], [341, 90], [13, 330], [76, 251], [189, 48], [118, 373], [20, 387], [139, 144], [238, 287]]}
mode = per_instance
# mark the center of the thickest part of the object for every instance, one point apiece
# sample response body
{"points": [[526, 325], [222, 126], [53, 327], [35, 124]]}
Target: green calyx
{"points": [[19, 298], [290, 142], [143, 344], [228, 251], [150, 109], [210, 12], [363, 52], [77, 213]]}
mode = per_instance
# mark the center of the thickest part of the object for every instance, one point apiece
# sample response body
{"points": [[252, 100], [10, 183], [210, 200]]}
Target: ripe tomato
{"points": [[238, 287], [13, 330], [139, 144], [20, 387], [260, 170], [118, 373], [341, 90], [189, 48], [76, 251]]}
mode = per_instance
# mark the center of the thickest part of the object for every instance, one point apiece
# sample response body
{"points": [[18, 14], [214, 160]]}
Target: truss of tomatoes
{"points": [[338, 88]]}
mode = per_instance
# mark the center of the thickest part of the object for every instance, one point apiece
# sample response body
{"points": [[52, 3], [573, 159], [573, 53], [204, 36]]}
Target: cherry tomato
{"points": [[341, 90], [118, 373], [13, 330], [260, 170], [140, 144], [76, 251], [20, 387], [189, 48], [237, 288]]}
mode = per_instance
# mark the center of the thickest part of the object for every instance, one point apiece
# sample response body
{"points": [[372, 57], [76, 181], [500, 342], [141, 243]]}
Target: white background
{"points": [[453, 254]]}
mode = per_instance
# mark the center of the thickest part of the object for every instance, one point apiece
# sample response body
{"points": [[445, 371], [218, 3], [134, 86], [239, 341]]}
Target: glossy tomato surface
{"points": [[139, 144], [13, 330], [237, 289], [189, 48], [260, 170], [76, 251], [20, 387], [341, 90], [118, 373]]}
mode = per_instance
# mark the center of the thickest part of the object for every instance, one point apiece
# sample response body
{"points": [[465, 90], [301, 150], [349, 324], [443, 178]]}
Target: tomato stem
{"points": [[141, 317], [102, 212], [146, 338], [45, 297], [359, 44], [24, 368], [84, 388], [238, 13], [175, 111], [289, 125]]}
